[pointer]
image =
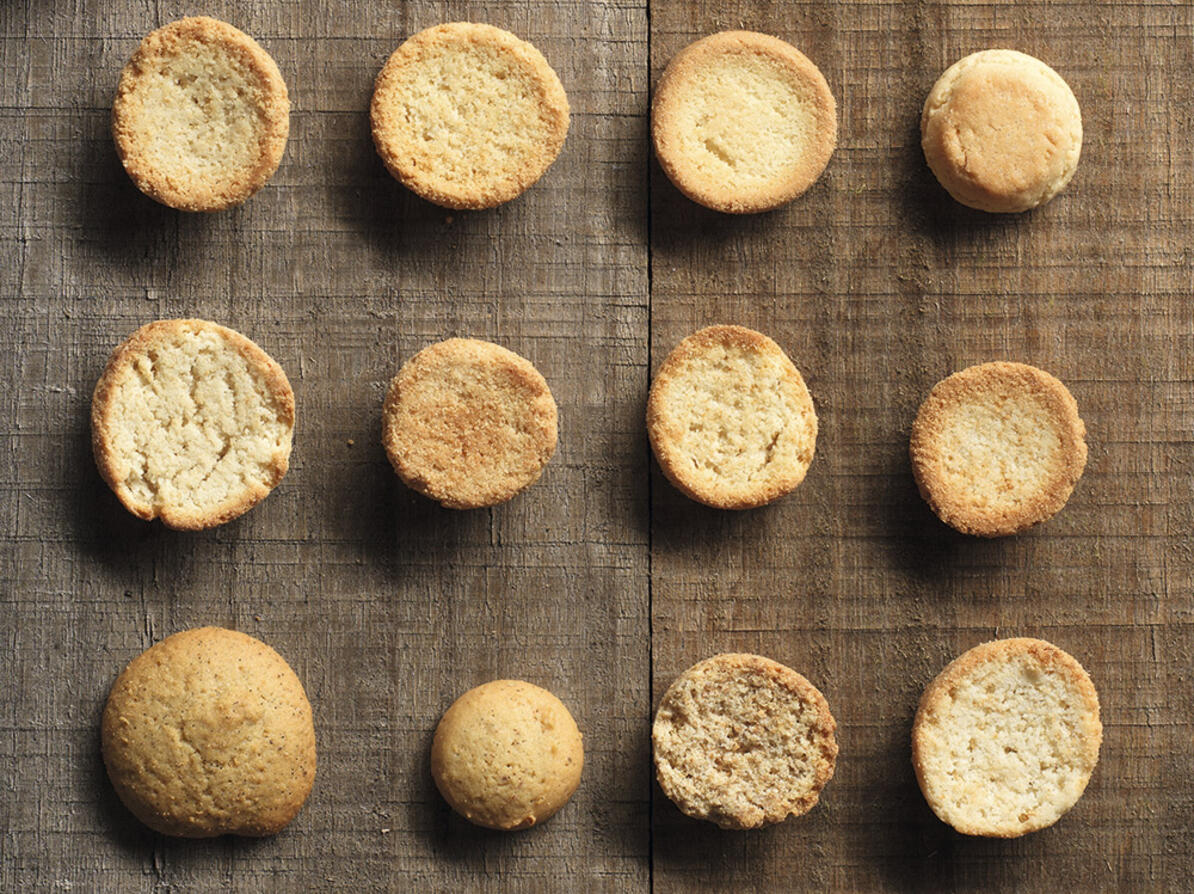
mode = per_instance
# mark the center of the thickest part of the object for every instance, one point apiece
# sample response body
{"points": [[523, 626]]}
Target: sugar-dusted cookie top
{"points": [[191, 423], [201, 115], [997, 448], [730, 419], [1006, 738], [207, 733], [468, 115], [743, 122], [743, 741]]}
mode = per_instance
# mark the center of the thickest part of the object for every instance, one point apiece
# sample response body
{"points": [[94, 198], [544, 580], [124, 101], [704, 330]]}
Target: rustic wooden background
{"points": [[601, 582]]}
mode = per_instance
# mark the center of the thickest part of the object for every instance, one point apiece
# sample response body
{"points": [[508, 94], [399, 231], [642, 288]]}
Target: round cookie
{"points": [[468, 116], [507, 755], [730, 419], [1006, 738], [1001, 131], [209, 733], [468, 423], [743, 122], [201, 115], [997, 448], [191, 423], [743, 741]]}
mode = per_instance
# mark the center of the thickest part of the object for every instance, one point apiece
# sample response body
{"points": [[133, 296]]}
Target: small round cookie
{"points": [[468, 423], [997, 448], [743, 122], [743, 741], [1001, 131], [730, 419], [1006, 737], [191, 423], [507, 755], [208, 733], [201, 115], [468, 116]]}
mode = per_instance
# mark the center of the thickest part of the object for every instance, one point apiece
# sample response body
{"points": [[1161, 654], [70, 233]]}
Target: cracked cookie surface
{"points": [[730, 419], [191, 423], [208, 733]]}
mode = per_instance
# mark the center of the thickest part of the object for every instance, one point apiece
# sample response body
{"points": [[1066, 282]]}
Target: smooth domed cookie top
{"points": [[191, 423], [1002, 131], [730, 419], [468, 115], [1006, 738], [997, 448], [201, 115], [507, 755], [743, 122], [743, 741], [207, 733], [469, 423]]}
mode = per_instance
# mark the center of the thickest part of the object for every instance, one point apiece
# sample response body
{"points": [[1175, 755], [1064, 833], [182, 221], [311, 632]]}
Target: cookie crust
{"points": [[507, 755], [468, 116], [469, 423], [209, 733], [192, 423], [743, 741], [1001, 131], [743, 122], [201, 115], [1006, 738], [730, 419], [997, 448]]}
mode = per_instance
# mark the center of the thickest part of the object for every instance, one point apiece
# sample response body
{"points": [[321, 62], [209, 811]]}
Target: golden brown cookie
{"points": [[467, 115], [730, 419], [1006, 737], [743, 122], [209, 733], [201, 115], [468, 423], [191, 423], [997, 448], [507, 755], [1002, 131], [743, 741]]}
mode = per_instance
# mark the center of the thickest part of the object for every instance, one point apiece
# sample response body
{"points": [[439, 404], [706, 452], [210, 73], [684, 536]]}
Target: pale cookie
{"points": [[743, 741], [210, 733], [191, 423], [743, 122], [507, 755], [1006, 737], [467, 115], [997, 448], [468, 423], [730, 419], [201, 115], [1001, 131]]}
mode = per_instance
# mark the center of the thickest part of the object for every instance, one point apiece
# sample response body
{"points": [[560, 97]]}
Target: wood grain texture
{"points": [[878, 285], [601, 582]]}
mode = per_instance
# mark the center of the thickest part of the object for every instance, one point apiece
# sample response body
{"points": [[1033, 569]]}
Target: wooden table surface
{"points": [[602, 582]]}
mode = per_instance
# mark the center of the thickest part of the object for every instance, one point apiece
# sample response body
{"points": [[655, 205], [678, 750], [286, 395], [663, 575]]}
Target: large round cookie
{"points": [[468, 423], [209, 733], [507, 755], [201, 115], [997, 448], [730, 419], [743, 122], [743, 741], [1006, 738], [191, 423], [1001, 131], [467, 115]]}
